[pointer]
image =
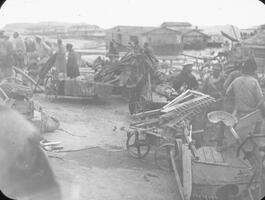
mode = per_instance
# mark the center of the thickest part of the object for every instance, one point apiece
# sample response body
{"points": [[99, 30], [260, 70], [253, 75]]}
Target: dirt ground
{"points": [[96, 165]]}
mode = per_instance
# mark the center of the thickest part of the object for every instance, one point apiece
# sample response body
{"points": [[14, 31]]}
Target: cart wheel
{"points": [[137, 148], [162, 156]]}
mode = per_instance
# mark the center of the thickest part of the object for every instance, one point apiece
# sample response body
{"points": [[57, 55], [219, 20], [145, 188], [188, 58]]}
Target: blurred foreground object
{"points": [[26, 173]]}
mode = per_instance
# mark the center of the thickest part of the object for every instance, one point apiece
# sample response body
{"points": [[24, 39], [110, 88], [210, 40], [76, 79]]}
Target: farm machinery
{"points": [[202, 172]]}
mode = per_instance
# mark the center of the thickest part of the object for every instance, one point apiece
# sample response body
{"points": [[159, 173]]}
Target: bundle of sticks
{"points": [[127, 69], [184, 107]]}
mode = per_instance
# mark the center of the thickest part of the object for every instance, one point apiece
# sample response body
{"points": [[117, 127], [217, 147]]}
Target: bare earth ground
{"points": [[104, 171]]}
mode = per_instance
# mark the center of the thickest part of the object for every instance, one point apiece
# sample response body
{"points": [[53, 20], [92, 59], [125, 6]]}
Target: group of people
{"points": [[113, 53], [239, 93], [15, 51], [66, 67]]}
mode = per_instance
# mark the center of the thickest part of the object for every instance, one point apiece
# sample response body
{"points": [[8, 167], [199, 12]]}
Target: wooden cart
{"points": [[206, 173], [75, 88]]}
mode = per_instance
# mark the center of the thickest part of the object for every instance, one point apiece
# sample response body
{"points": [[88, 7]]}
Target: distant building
{"points": [[168, 39], [126, 34], [176, 25], [194, 39], [164, 41]]}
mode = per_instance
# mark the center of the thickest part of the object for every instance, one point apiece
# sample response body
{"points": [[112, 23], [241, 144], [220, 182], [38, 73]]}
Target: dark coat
{"points": [[72, 65], [187, 80]]}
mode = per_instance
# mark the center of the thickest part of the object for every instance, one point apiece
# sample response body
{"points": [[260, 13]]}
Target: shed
{"points": [[175, 25], [126, 34], [164, 41], [194, 39]]}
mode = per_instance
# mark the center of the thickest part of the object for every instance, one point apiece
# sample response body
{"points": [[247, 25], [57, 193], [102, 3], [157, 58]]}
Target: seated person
{"points": [[185, 79]]}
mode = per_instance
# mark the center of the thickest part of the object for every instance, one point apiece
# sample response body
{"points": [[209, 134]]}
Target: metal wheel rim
{"points": [[135, 146]]}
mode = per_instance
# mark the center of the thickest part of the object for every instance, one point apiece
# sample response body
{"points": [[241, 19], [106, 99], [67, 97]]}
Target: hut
{"points": [[194, 39], [164, 41], [176, 25], [126, 34]]}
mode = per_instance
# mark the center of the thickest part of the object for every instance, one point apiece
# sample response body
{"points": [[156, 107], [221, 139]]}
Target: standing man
{"points": [[245, 96], [185, 79], [112, 54], [43, 50], [213, 84], [6, 56], [19, 50], [245, 91], [72, 66], [60, 62], [148, 50]]}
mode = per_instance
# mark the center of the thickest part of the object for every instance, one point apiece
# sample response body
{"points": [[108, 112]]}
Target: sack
{"points": [[48, 123]]}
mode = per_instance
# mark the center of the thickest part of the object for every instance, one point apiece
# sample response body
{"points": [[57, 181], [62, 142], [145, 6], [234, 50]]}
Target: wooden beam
{"points": [[177, 177], [187, 173]]}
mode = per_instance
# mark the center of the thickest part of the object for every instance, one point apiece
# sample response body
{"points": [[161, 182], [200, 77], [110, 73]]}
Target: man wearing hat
{"points": [[42, 49], [185, 79], [213, 84]]}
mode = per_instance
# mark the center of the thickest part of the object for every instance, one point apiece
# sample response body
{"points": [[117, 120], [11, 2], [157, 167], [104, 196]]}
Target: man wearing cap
{"points": [[213, 84], [185, 79]]}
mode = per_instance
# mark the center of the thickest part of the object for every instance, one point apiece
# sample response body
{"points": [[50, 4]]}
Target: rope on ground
{"points": [[75, 150], [60, 129], [52, 156]]}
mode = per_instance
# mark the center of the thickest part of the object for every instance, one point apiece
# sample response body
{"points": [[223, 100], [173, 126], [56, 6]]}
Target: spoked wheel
{"points": [[137, 146], [162, 156]]}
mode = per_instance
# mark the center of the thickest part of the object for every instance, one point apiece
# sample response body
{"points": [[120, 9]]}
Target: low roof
{"points": [[195, 30], [175, 24], [163, 28], [138, 29]]}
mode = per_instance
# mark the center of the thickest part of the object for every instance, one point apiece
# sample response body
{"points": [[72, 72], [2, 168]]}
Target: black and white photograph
{"points": [[132, 99]]}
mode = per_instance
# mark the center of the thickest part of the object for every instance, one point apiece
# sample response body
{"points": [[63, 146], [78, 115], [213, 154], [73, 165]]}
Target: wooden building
{"points": [[194, 39], [164, 41], [176, 25], [126, 34]]}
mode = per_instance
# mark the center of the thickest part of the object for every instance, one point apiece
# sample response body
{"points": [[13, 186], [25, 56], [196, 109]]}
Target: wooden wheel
{"points": [[162, 156], [137, 146]]}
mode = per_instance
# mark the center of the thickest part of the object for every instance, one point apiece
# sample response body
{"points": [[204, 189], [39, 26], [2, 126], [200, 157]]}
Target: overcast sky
{"points": [[108, 13]]}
